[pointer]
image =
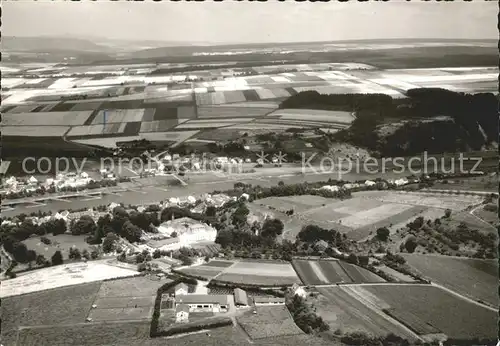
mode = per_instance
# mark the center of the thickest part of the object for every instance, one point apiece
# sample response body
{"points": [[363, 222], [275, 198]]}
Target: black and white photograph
{"points": [[249, 173]]}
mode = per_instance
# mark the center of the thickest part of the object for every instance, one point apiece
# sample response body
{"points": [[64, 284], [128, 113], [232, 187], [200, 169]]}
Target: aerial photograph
{"points": [[249, 173]]}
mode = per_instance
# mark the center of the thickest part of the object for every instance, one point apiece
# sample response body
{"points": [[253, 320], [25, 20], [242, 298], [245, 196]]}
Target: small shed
{"points": [[240, 297], [181, 289], [182, 313]]}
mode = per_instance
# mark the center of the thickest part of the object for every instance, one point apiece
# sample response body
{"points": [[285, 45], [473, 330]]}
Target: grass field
{"points": [[57, 306], [471, 277], [455, 317], [269, 321], [61, 242], [140, 286], [453, 202], [344, 312], [332, 272]]}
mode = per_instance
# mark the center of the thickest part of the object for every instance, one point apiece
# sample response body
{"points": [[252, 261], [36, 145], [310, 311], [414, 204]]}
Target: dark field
{"points": [[451, 315], [471, 277]]}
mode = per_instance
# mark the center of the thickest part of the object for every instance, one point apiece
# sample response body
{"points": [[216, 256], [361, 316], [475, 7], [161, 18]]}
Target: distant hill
{"points": [[50, 44]]}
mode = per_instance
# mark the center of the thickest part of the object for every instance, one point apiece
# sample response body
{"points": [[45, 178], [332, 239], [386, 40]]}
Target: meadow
{"points": [[475, 278], [453, 316]]}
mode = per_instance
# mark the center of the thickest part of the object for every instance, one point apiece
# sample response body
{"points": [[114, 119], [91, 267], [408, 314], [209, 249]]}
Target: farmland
{"points": [[269, 321], [332, 272], [420, 305], [62, 275], [346, 313], [470, 277], [262, 273], [50, 307], [148, 103]]}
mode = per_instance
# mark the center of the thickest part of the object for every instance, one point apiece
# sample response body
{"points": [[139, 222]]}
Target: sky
{"points": [[247, 22]]}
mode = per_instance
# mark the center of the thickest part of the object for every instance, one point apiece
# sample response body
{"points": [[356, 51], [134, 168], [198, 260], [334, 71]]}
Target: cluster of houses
{"points": [[32, 184], [185, 303]]}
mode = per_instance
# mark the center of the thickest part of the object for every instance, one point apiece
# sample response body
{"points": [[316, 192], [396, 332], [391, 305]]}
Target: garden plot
{"points": [[118, 116], [442, 201], [35, 131], [373, 215], [63, 275], [48, 118], [322, 272], [208, 270], [269, 321], [442, 310]]}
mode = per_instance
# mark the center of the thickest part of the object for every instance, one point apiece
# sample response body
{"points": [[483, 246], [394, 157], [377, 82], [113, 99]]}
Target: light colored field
{"points": [[208, 125], [373, 215], [253, 104], [118, 116], [262, 268], [46, 118], [231, 112], [442, 201], [108, 142], [62, 275], [262, 280], [158, 125], [314, 115], [100, 129], [265, 94], [262, 126], [34, 131], [177, 136]]}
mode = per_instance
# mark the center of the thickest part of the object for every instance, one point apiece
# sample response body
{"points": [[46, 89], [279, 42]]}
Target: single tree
{"points": [[383, 233], [57, 258]]}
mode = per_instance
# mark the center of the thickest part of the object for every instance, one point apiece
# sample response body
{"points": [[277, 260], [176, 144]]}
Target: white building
{"points": [[268, 301], [181, 289], [299, 291], [182, 313], [204, 302]]}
